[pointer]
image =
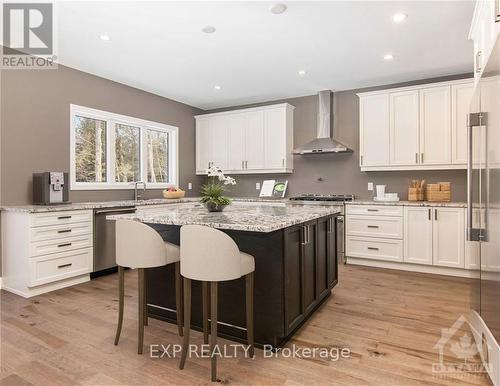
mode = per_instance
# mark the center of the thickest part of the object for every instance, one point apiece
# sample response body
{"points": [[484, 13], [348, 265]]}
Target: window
{"points": [[110, 151]]}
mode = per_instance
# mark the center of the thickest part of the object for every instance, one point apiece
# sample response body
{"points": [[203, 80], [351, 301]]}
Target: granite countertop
{"points": [[409, 203], [241, 215], [119, 204]]}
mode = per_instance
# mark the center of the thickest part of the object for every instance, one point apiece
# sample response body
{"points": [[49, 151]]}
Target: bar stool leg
{"points": [[145, 297], [249, 284], [178, 298], [187, 321], [121, 295], [213, 325], [206, 307], [140, 310]]}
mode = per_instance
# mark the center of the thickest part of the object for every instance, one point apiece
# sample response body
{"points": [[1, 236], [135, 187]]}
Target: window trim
{"points": [[111, 119]]}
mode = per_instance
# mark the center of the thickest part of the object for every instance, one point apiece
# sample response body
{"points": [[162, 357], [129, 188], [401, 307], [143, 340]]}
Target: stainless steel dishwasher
{"points": [[104, 239]]}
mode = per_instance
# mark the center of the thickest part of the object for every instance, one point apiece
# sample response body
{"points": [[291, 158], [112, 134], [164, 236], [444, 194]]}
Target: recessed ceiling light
{"points": [[217, 87], [278, 8], [105, 37], [388, 57], [302, 72], [399, 17], [209, 29]]}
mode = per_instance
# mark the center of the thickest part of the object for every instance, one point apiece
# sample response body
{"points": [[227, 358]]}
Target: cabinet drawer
{"points": [[70, 243], [372, 248], [60, 232], [375, 210], [375, 226], [60, 218], [60, 266]]}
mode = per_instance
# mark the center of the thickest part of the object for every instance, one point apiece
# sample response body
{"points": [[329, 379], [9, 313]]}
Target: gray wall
{"points": [[35, 126], [340, 173]]}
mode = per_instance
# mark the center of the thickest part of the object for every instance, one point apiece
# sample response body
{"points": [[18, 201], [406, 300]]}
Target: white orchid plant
{"points": [[213, 191]]}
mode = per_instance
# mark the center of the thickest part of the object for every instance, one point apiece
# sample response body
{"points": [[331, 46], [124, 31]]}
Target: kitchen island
{"points": [[295, 264]]}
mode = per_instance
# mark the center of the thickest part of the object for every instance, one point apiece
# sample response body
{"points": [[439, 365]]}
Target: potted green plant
{"points": [[212, 193]]}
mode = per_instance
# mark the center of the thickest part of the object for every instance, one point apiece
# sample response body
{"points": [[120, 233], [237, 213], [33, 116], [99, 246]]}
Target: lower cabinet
{"points": [[435, 236], [310, 267]]}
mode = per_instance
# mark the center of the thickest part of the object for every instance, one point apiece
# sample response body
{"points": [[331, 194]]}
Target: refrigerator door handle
{"points": [[473, 120]]}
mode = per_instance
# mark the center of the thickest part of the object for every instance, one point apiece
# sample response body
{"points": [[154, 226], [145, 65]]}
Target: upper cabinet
{"points": [[417, 127], [254, 140], [374, 130], [483, 33]]}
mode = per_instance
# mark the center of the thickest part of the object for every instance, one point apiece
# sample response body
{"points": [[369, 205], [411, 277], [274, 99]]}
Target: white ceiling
{"points": [[255, 55]]}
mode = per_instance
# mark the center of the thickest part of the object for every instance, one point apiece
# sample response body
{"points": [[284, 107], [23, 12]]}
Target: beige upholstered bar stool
{"points": [[140, 246], [211, 256]]}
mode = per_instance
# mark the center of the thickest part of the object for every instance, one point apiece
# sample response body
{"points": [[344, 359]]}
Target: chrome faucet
{"points": [[137, 195]]}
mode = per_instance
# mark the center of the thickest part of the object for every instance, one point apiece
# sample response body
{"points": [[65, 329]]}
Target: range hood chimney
{"points": [[325, 141]]}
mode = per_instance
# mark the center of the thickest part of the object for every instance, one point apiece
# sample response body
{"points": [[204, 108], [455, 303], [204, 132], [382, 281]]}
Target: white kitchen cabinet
{"points": [[255, 140], [202, 145], [448, 237], [415, 128], [461, 99], [418, 235], [404, 128], [435, 126], [374, 130], [42, 252]]}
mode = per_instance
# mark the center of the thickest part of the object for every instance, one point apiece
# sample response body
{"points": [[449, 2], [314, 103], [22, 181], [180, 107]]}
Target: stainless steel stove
{"points": [[329, 199]]}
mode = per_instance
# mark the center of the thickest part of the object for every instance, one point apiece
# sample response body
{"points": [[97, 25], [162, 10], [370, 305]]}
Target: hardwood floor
{"points": [[390, 321]]}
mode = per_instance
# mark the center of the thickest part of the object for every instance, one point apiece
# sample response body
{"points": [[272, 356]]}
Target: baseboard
{"points": [[432, 269], [28, 292], [492, 349]]}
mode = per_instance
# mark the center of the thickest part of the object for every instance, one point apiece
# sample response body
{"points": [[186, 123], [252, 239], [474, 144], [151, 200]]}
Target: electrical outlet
{"points": [[370, 186], [190, 186], [257, 186]]}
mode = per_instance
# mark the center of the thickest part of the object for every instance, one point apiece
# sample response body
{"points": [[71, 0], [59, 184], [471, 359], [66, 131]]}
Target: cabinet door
{"points": [[294, 302], [404, 128], [374, 130], [418, 235], [310, 262], [202, 144], [219, 126], [449, 237], [236, 140], [254, 140], [275, 138], [461, 97], [435, 125]]}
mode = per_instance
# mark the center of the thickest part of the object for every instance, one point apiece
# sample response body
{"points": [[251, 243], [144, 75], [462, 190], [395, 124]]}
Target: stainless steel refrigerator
{"points": [[483, 212]]}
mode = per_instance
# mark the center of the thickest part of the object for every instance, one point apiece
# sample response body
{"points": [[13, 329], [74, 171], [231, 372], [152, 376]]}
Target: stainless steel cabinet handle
{"points": [[422, 158], [304, 237], [64, 245], [282, 162], [65, 265], [478, 61], [373, 249], [64, 231], [372, 210], [63, 217], [361, 162], [429, 213], [243, 164], [246, 164], [373, 226], [435, 214], [416, 158]]}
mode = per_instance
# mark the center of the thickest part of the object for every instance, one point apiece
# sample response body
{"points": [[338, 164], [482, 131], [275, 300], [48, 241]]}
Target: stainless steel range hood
{"points": [[325, 141]]}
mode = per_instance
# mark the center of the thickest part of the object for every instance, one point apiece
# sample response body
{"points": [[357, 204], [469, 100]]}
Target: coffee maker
{"points": [[50, 188]]}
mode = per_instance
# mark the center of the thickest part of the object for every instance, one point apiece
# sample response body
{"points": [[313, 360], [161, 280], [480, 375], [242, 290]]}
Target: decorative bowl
{"points": [[212, 208], [174, 194]]}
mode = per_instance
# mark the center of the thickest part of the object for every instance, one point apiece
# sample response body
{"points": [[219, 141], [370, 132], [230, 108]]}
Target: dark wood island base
{"points": [[295, 271]]}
